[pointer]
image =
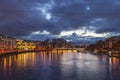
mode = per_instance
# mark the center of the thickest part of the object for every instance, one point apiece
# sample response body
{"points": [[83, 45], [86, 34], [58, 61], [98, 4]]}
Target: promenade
{"points": [[10, 52]]}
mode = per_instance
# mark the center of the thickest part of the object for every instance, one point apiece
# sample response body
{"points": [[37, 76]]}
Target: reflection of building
{"points": [[25, 45]]}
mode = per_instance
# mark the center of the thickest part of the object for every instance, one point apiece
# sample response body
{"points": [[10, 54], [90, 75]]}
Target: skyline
{"points": [[41, 19]]}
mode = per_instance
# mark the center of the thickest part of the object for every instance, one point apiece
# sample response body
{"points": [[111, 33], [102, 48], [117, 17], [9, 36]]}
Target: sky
{"points": [[69, 19]]}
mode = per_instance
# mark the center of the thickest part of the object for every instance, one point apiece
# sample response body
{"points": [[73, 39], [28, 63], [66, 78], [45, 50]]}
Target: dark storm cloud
{"points": [[21, 17], [77, 14]]}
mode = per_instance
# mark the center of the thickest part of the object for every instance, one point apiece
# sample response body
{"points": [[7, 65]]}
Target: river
{"points": [[68, 65]]}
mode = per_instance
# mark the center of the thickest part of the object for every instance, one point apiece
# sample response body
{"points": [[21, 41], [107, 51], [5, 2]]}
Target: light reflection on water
{"points": [[59, 65]]}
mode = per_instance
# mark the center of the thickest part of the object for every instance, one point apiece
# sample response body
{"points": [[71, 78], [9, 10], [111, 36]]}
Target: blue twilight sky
{"points": [[73, 20]]}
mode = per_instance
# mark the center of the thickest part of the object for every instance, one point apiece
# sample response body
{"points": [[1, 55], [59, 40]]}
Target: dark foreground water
{"points": [[59, 66]]}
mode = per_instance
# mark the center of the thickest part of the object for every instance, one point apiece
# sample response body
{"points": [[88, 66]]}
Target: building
{"points": [[59, 43], [25, 45], [7, 43], [110, 44]]}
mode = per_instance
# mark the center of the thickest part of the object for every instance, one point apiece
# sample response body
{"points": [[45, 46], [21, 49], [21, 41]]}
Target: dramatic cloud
{"points": [[22, 18]]}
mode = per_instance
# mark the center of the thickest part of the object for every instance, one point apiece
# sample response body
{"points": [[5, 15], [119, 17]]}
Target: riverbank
{"points": [[107, 52], [12, 52], [16, 52]]}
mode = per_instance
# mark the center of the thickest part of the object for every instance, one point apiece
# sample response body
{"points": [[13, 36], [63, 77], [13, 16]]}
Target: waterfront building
{"points": [[38, 44], [7, 43], [59, 43], [109, 44], [1, 43], [11, 43], [25, 45]]}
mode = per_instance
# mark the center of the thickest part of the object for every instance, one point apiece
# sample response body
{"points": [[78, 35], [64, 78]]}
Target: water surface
{"points": [[67, 65]]}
